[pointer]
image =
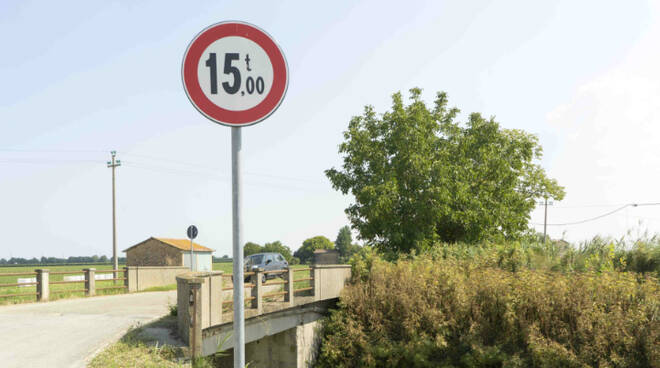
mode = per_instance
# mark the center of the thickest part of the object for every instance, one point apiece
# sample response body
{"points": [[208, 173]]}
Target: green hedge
{"points": [[452, 311]]}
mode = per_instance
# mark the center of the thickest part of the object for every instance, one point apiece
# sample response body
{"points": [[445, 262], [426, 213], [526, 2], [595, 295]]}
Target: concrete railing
{"points": [[201, 296]]}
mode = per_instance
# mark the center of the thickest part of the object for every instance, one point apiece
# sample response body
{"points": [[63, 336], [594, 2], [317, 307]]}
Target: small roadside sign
{"points": [[192, 232]]}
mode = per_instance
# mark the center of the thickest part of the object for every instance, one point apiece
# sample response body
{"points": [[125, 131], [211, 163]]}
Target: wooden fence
{"points": [[47, 283]]}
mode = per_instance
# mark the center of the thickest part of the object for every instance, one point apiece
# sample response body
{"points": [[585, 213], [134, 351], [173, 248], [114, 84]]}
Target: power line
{"points": [[217, 169], [45, 161], [50, 151], [605, 214], [590, 206], [216, 177], [148, 157]]}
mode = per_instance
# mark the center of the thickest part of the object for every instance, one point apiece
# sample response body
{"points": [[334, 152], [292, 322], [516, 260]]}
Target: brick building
{"points": [[169, 252]]}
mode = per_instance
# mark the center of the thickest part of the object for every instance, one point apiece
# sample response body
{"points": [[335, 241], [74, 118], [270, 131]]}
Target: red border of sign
{"points": [[215, 112]]}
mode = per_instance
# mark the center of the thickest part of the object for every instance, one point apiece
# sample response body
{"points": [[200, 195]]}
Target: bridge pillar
{"points": [[42, 285], [189, 311], [288, 297], [90, 281], [199, 305], [258, 290]]}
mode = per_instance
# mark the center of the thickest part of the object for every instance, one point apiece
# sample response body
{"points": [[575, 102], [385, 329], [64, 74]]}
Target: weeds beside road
{"points": [[497, 306], [139, 349]]}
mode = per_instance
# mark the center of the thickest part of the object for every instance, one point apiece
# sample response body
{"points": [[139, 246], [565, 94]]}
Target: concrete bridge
{"points": [[280, 326]]}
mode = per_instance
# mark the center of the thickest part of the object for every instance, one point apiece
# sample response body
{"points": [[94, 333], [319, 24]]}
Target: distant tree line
{"points": [[224, 259], [56, 261], [305, 253], [274, 247]]}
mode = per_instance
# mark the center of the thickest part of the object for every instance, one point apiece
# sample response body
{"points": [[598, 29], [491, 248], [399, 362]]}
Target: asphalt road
{"points": [[68, 333]]}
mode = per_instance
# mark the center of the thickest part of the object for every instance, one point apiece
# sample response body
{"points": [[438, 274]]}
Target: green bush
{"points": [[464, 306], [598, 254]]}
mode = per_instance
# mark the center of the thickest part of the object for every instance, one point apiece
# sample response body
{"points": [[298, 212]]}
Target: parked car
{"points": [[267, 261]]}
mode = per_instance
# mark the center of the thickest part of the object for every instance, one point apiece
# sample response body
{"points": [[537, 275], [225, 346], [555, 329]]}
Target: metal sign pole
{"points": [[216, 46], [191, 255], [239, 306]]}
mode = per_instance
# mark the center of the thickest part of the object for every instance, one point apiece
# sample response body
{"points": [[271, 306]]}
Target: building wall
{"points": [[203, 261], [326, 256], [144, 277], [153, 253]]}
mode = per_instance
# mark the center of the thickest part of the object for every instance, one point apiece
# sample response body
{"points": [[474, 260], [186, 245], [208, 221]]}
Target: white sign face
{"points": [[235, 73]]}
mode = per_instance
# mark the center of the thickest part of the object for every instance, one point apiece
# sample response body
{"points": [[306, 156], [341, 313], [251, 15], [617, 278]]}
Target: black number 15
{"points": [[228, 69]]}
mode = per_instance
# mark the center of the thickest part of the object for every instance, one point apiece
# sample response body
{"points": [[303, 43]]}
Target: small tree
{"points": [[278, 247], [344, 244], [306, 252], [252, 248]]}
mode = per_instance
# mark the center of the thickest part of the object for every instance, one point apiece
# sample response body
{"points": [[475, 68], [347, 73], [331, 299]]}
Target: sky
{"points": [[82, 78]]}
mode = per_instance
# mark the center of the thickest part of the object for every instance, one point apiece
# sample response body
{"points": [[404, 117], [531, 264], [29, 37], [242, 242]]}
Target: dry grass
{"points": [[137, 350], [425, 312]]}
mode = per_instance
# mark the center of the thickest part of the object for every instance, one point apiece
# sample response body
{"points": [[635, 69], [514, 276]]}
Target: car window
{"points": [[279, 258], [257, 259]]}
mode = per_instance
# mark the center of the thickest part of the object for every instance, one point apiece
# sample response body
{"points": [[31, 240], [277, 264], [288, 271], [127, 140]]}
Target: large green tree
{"points": [[306, 252], [418, 176]]}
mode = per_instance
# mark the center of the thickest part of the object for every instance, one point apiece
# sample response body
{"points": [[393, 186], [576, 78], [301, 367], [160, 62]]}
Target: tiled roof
{"points": [[184, 244]]}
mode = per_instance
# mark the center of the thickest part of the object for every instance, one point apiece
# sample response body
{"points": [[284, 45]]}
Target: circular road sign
{"points": [[192, 232], [234, 74]]}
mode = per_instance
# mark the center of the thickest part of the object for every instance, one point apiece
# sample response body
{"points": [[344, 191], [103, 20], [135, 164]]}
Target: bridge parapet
{"points": [[201, 297]]}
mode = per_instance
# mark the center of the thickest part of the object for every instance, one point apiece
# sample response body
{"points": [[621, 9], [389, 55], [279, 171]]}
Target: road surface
{"points": [[68, 333]]}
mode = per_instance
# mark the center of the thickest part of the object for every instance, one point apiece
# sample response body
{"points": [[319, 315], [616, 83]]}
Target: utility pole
{"points": [[545, 218], [113, 164], [545, 221]]}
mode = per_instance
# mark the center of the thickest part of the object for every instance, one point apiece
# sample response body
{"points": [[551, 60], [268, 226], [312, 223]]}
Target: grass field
{"points": [[73, 290]]}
